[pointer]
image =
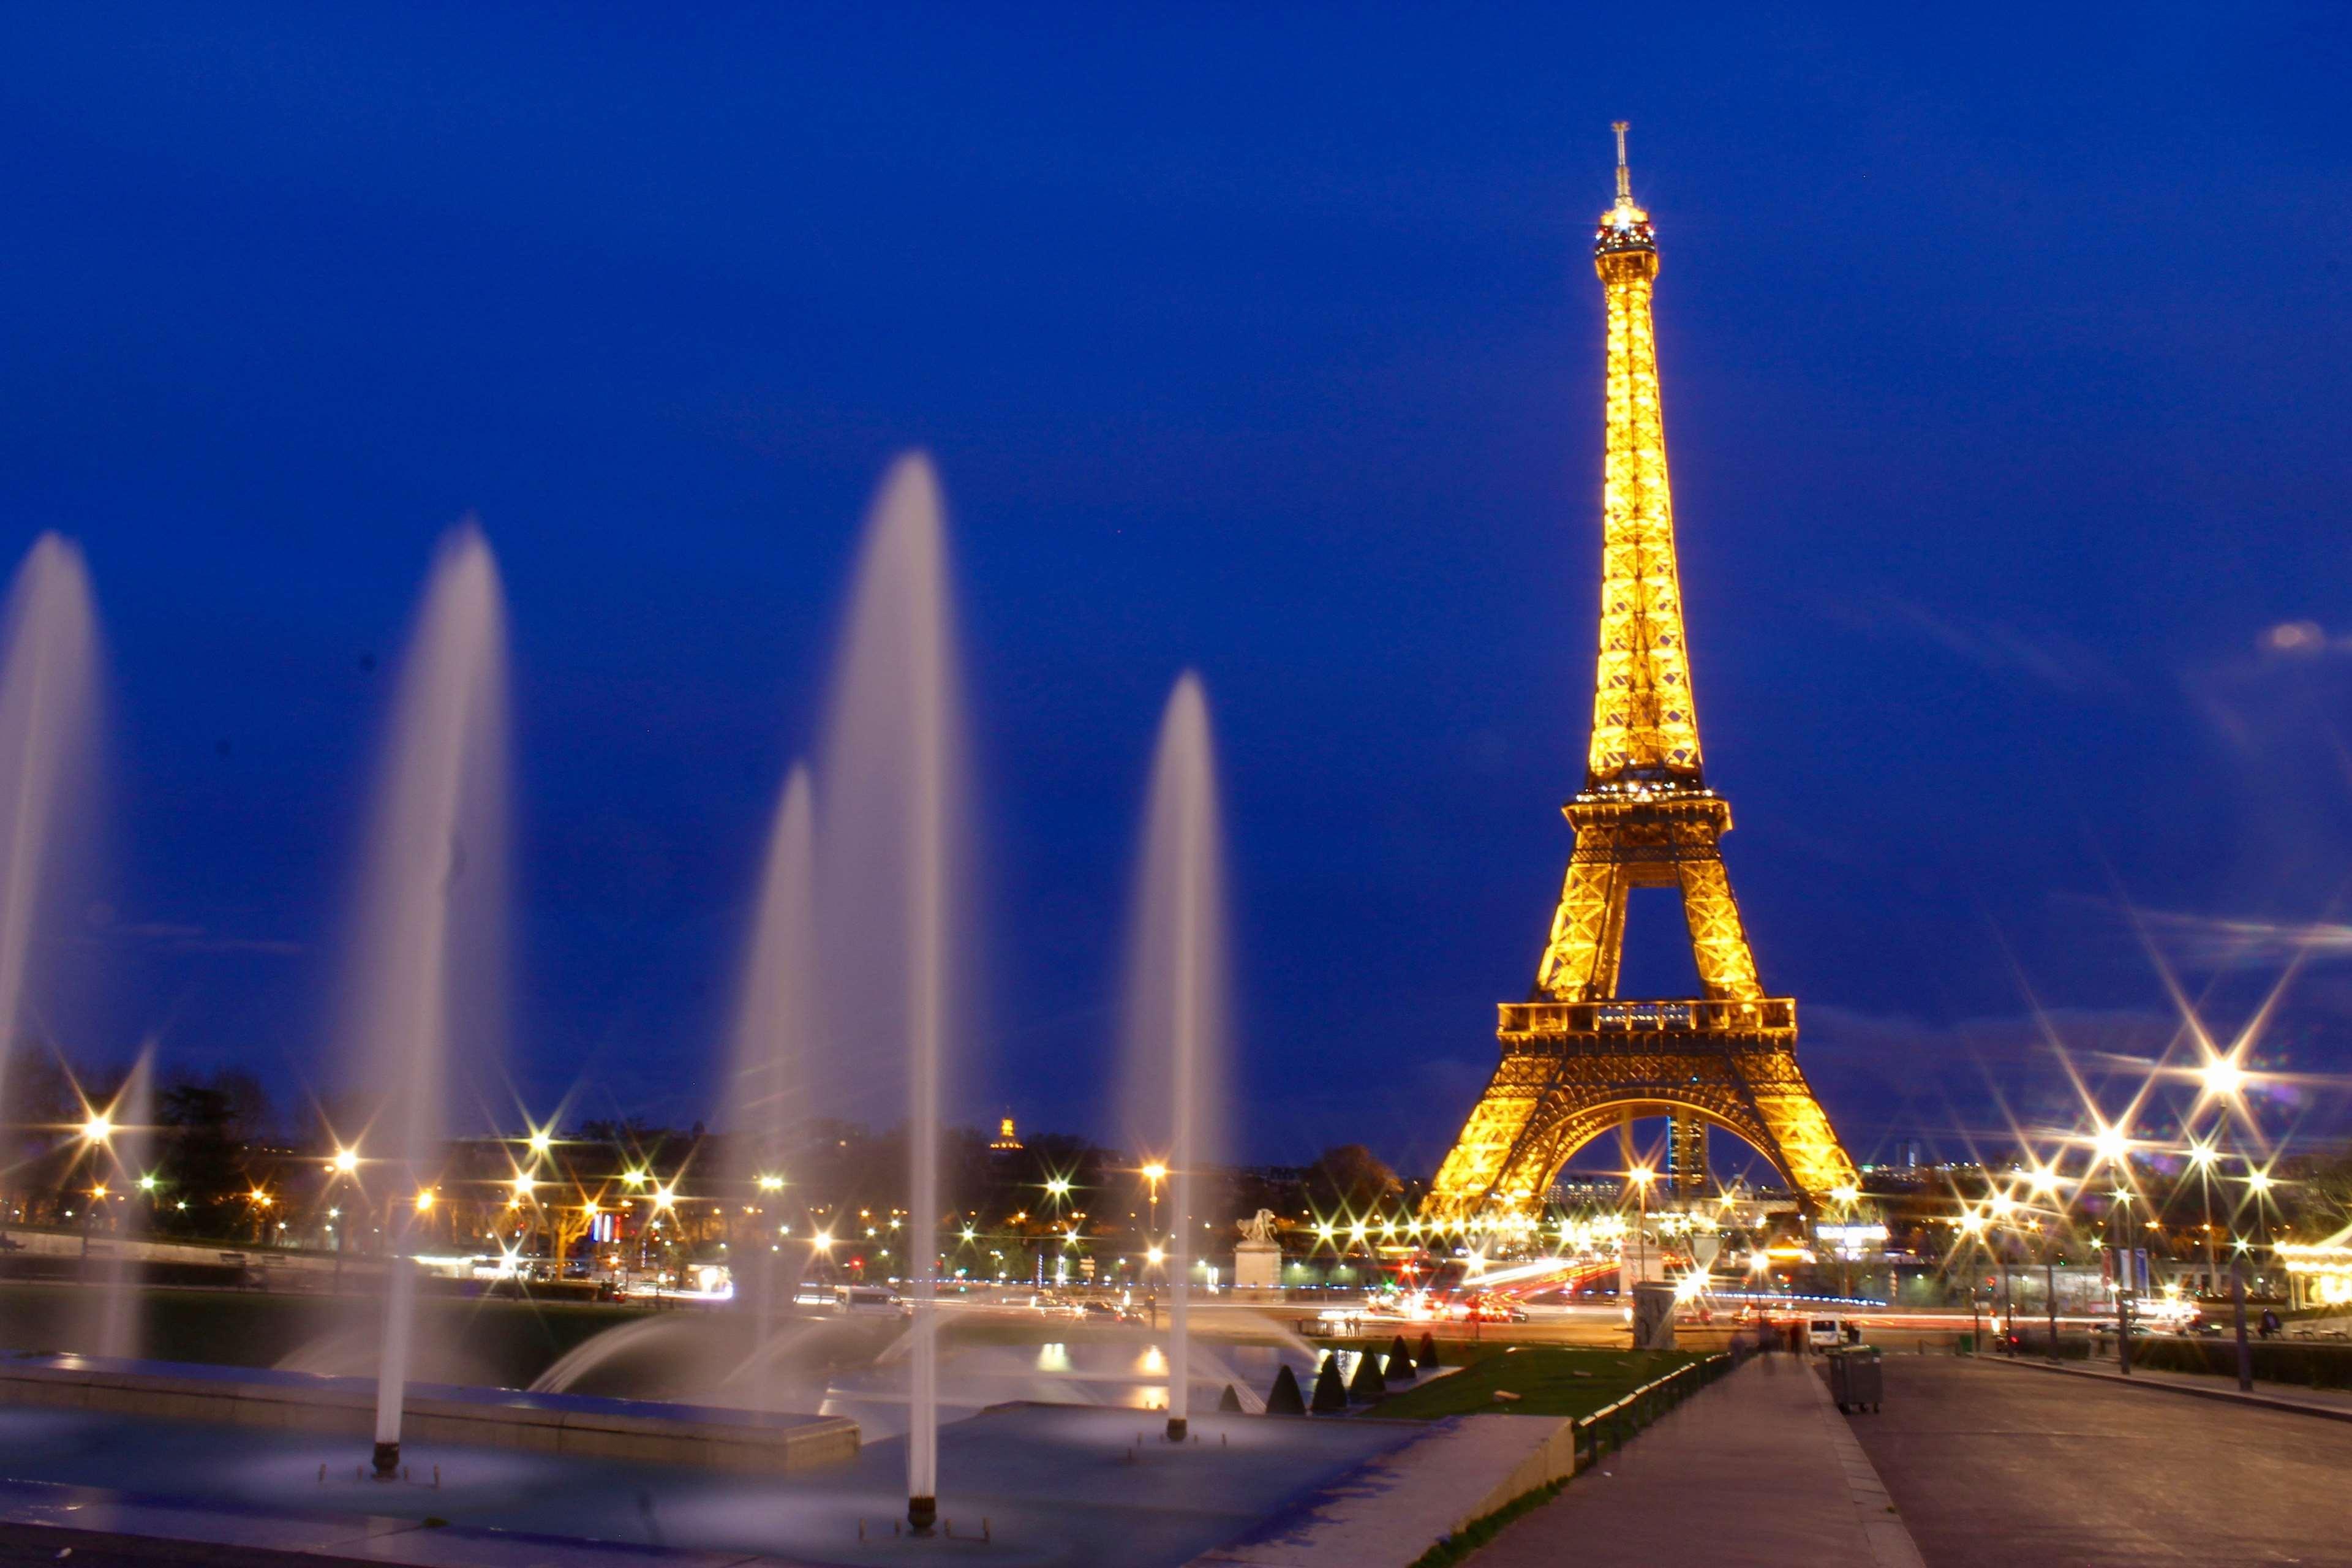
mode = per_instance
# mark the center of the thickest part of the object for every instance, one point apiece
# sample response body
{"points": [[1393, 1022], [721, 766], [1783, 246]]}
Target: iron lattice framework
{"points": [[1576, 1059]]}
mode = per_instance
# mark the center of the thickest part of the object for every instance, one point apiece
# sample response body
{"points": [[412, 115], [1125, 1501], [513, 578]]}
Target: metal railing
{"points": [[1611, 1426]]}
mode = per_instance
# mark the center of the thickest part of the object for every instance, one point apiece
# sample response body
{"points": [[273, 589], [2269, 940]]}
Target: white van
{"points": [[870, 1301], [1821, 1333]]}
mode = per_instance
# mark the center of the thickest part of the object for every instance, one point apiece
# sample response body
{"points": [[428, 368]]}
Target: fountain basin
{"points": [[635, 1430], [1051, 1487]]}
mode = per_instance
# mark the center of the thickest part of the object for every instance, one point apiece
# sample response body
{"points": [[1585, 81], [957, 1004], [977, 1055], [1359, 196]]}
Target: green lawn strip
{"points": [[1549, 1380], [1555, 1382]]}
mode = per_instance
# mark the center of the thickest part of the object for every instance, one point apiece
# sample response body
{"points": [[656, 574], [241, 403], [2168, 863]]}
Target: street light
{"points": [[2224, 1077], [1155, 1173], [98, 1128]]}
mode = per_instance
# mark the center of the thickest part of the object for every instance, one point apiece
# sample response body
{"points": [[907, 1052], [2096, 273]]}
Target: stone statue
{"points": [[1259, 1230]]}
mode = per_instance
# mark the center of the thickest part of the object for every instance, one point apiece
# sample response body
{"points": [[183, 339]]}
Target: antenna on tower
{"points": [[1625, 175]]}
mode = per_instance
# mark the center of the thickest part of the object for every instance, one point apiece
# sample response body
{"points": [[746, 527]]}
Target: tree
{"points": [[1351, 1178], [202, 1171]]}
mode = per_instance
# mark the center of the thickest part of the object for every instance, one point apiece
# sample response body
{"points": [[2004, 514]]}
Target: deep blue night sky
{"points": [[2005, 370]]}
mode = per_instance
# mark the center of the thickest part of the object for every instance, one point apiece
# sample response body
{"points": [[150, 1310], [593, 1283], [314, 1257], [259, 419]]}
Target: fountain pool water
{"points": [[1044, 1485], [431, 928]]}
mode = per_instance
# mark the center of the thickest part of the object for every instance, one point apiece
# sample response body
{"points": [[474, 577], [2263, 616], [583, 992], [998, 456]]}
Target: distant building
{"points": [[1007, 1142]]}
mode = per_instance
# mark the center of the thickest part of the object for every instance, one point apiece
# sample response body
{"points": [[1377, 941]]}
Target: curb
{"points": [[2227, 1395], [1891, 1545]]}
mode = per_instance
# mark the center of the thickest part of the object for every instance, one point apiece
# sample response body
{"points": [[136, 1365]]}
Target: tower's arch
{"points": [[1561, 1138]]}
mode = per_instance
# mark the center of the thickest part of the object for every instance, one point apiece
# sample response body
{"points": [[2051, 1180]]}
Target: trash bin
{"points": [[1856, 1379]]}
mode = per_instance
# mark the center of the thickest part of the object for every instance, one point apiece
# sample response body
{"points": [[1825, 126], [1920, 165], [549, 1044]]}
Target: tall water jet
{"points": [[430, 946], [48, 690], [1176, 996], [124, 1151], [774, 1032], [890, 847]]}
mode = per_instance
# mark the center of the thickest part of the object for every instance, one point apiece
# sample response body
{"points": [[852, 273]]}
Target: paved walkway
{"points": [[1995, 1467], [1760, 1470]]}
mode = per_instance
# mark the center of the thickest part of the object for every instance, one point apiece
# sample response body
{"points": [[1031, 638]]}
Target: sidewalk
{"points": [[1760, 1470]]}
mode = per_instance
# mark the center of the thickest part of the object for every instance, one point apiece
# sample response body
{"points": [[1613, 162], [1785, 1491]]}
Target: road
{"points": [[1992, 1467]]}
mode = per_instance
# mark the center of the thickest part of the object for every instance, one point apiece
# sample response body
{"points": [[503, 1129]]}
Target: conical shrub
{"points": [[1428, 1356], [1283, 1398], [1230, 1402], [1368, 1384], [1400, 1367], [1331, 1392]]}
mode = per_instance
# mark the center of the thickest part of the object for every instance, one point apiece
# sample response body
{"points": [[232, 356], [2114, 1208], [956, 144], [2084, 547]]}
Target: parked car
{"points": [[1821, 1333]]}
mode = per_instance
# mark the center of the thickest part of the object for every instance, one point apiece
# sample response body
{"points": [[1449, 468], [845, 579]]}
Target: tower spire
{"points": [[1644, 727]]}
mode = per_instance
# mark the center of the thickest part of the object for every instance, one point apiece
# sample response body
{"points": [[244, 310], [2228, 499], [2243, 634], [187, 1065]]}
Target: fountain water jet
{"points": [[771, 1039], [890, 844], [48, 688], [1176, 993], [122, 1158], [431, 926]]}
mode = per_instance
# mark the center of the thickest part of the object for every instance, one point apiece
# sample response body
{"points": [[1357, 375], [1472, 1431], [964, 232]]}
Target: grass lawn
{"points": [[1551, 1380]]}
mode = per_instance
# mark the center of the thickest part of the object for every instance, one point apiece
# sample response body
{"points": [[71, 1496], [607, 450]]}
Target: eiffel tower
{"points": [[1577, 1058]]}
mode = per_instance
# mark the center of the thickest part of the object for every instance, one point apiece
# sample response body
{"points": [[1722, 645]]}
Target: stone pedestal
{"points": [[1653, 1317], [1257, 1266]]}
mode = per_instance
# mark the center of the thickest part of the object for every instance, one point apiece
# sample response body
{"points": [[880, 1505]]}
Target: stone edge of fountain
{"points": [[578, 1425], [130, 1519]]}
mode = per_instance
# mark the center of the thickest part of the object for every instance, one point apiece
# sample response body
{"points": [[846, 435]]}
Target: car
{"points": [[1821, 1333], [1494, 1309]]}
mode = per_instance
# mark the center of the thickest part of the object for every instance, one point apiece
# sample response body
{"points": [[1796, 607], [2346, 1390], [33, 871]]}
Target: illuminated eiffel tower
{"points": [[1578, 1058]]}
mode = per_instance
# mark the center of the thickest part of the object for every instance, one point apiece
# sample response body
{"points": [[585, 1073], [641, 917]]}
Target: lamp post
{"points": [[97, 1133], [2120, 1249], [1153, 1174], [2043, 1180], [2001, 1206], [1846, 1196], [1972, 1226], [2225, 1080], [345, 1162], [1642, 1177]]}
